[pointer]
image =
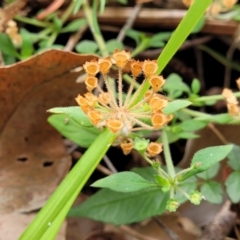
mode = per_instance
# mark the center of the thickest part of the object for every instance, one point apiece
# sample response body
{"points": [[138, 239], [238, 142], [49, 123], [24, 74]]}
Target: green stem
{"points": [[91, 18], [52, 39], [167, 154], [194, 113], [141, 47], [32, 21], [68, 12], [214, 97], [75, 180]]}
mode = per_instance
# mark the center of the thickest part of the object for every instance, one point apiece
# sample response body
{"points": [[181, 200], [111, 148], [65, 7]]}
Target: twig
{"points": [[129, 22], [221, 224], [217, 133], [229, 56], [135, 234], [169, 232], [109, 164], [72, 41], [104, 170]]}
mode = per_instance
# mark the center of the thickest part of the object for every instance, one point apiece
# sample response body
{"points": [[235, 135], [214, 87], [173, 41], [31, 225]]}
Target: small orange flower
{"points": [[92, 67], [114, 125], [228, 3], [104, 97], [91, 82], [127, 146], [83, 103], [95, 116], [154, 148], [238, 83], [105, 65], [149, 67], [157, 103], [136, 68], [156, 82], [158, 120], [92, 99], [121, 58]]}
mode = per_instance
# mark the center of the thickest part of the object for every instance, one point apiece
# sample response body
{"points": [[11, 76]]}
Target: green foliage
{"points": [[86, 46], [175, 106], [196, 86], [7, 46], [210, 172], [113, 44], [74, 25], [67, 127], [234, 158], [122, 208], [124, 182], [232, 185], [205, 158], [212, 191]]}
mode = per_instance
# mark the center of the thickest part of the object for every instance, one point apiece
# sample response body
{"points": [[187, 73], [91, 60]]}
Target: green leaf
{"points": [[75, 113], [78, 4], [86, 46], [135, 35], [209, 173], [27, 48], [146, 172], [188, 186], [196, 86], [187, 135], [175, 106], [192, 125], [207, 157], [57, 23], [113, 44], [198, 27], [122, 208], [234, 158], [158, 40], [7, 47], [212, 191], [232, 185], [163, 182], [124, 182], [67, 127], [222, 118], [75, 25], [175, 87]]}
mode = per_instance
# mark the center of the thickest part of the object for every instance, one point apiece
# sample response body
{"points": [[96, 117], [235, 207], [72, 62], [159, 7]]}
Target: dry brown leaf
{"points": [[33, 160], [12, 225]]}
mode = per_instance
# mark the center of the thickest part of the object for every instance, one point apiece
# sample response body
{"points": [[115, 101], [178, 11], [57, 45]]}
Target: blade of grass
{"points": [[185, 27], [67, 190]]}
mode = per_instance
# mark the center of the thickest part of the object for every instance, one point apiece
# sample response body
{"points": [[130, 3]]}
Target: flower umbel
{"points": [[120, 114]]}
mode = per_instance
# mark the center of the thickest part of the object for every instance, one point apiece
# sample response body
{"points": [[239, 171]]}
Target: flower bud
{"points": [[105, 65], [92, 67], [127, 146], [196, 197], [136, 68], [158, 120], [114, 125], [121, 57], [95, 116], [149, 67], [172, 205], [154, 148], [91, 82], [157, 103], [156, 82]]}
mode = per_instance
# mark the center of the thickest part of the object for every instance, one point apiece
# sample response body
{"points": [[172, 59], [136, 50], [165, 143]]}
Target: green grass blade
{"points": [[185, 27], [74, 181]]}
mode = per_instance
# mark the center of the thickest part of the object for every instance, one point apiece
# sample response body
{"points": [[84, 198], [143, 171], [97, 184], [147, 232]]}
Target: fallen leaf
{"points": [[12, 225], [32, 157]]}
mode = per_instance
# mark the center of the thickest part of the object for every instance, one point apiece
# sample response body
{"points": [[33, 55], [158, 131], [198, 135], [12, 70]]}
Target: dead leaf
{"points": [[32, 158], [12, 225]]}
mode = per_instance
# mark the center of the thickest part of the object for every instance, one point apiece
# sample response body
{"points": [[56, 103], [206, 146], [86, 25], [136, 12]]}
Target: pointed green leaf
{"points": [[192, 125], [124, 182], [195, 86], [75, 113], [209, 173], [86, 46], [212, 191], [74, 25], [175, 106], [207, 157], [122, 208], [232, 186], [7, 47], [68, 128], [234, 158]]}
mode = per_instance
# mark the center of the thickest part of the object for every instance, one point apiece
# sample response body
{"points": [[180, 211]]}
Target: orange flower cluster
{"points": [[119, 113], [216, 7], [232, 102]]}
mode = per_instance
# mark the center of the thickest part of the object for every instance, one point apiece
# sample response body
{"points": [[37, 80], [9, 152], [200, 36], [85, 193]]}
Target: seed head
{"points": [[154, 149], [92, 67]]}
